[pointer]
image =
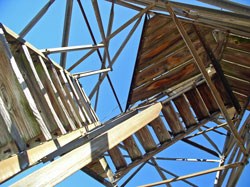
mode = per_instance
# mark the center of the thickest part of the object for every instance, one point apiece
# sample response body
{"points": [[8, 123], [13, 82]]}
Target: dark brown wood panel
{"points": [[164, 43], [235, 70], [237, 57], [159, 34], [166, 64], [97, 168], [238, 85], [240, 43], [160, 130], [117, 158], [221, 89], [165, 82], [197, 104], [208, 98], [132, 148], [146, 139], [172, 119], [155, 24], [184, 110], [156, 32]]}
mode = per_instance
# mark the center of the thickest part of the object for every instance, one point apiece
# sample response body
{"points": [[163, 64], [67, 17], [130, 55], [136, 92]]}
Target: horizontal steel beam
{"points": [[70, 48], [89, 73]]}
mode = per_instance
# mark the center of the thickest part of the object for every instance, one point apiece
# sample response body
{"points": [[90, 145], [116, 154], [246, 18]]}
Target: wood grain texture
{"points": [[61, 168], [117, 158], [132, 148], [66, 100], [184, 111], [208, 98], [71, 96], [160, 130], [39, 92], [146, 139], [17, 96], [197, 104], [172, 118]]}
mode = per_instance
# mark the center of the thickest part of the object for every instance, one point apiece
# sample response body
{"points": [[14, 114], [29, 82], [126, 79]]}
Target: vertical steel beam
{"points": [[66, 30]]}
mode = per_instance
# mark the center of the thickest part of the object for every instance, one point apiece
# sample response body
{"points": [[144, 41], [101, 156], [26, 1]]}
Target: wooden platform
{"points": [[164, 61]]}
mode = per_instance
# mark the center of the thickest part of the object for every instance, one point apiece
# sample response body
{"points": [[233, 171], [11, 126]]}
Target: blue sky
{"points": [[47, 34]]}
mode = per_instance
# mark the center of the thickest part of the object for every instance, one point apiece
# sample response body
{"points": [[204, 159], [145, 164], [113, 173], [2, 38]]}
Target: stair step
{"points": [[132, 148], [184, 111], [172, 118], [160, 130], [197, 104], [208, 98], [146, 139], [117, 158]]}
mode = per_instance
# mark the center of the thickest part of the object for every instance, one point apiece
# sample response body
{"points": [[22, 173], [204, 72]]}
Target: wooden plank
{"points": [[108, 172], [160, 130], [239, 85], [132, 148], [172, 38], [8, 149], [79, 99], [158, 34], [56, 80], [197, 104], [97, 168], [71, 97], [5, 136], [38, 91], [240, 43], [166, 64], [27, 118], [220, 87], [162, 147], [208, 98], [86, 101], [155, 32], [172, 119], [61, 168], [171, 50], [184, 111], [8, 118], [11, 166], [145, 138], [117, 158], [155, 23], [235, 70], [167, 81], [53, 95], [237, 57]]}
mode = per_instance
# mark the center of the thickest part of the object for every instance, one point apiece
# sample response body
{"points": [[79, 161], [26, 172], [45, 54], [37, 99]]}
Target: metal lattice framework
{"points": [[189, 95]]}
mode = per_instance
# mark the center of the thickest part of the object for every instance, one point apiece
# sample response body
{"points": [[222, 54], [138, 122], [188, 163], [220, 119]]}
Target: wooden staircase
{"points": [[180, 116]]}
